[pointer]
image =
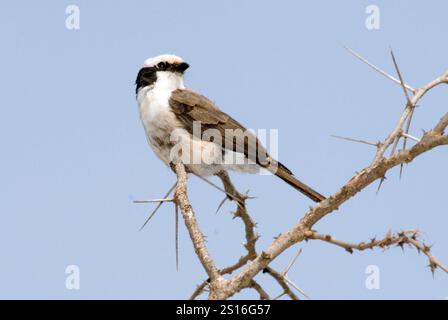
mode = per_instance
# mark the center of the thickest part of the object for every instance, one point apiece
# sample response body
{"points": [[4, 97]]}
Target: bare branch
{"points": [[176, 239], [409, 237], [376, 170], [442, 125], [396, 133], [241, 212], [253, 262], [263, 295], [196, 236], [199, 289], [433, 262], [249, 226]]}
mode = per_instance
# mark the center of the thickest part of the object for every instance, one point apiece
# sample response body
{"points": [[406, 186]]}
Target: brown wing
{"points": [[190, 106]]}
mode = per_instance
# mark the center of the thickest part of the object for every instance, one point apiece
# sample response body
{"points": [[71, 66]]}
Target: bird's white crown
{"points": [[170, 58]]}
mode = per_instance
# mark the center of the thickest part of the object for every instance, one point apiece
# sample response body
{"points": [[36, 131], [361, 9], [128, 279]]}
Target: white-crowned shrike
{"points": [[182, 125]]}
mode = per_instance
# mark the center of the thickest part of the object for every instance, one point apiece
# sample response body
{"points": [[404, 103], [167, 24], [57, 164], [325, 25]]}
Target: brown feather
{"points": [[190, 106]]}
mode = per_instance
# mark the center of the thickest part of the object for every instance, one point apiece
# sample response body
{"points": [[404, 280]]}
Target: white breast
{"points": [[165, 137], [158, 120]]}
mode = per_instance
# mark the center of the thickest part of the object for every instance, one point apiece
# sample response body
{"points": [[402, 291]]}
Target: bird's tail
{"points": [[286, 175]]}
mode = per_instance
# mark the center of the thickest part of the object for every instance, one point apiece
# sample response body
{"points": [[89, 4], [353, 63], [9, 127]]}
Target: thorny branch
{"points": [[409, 237], [250, 245], [253, 262]]}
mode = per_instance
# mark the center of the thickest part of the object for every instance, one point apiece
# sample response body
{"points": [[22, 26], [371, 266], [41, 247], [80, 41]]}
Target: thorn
{"points": [[280, 295], [221, 204], [292, 262], [382, 72], [380, 184], [220, 189], [406, 135], [154, 200], [265, 255], [349, 250], [355, 140], [433, 268], [403, 85], [389, 234], [157, 207]]}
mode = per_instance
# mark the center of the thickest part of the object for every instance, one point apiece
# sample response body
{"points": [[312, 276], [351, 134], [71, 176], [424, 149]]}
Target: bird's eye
{"points": [[161, 65]]}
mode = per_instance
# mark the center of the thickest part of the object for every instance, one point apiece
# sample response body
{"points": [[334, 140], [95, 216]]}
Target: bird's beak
{"points": [[181, 67]]}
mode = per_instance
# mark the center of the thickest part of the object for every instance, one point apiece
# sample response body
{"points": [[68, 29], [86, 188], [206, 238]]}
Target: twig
{"points": [[199, 289], [409, 237], [263, 295], [433, 261]]}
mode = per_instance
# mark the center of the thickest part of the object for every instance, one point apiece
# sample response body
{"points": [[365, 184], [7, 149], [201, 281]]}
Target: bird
{"points": [[182, 125]]}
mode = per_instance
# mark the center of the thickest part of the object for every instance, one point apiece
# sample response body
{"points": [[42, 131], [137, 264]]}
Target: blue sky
{"points": [[74, 154]]}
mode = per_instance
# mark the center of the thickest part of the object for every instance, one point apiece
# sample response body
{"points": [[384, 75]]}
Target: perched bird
{"points": [[182, 125]]}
